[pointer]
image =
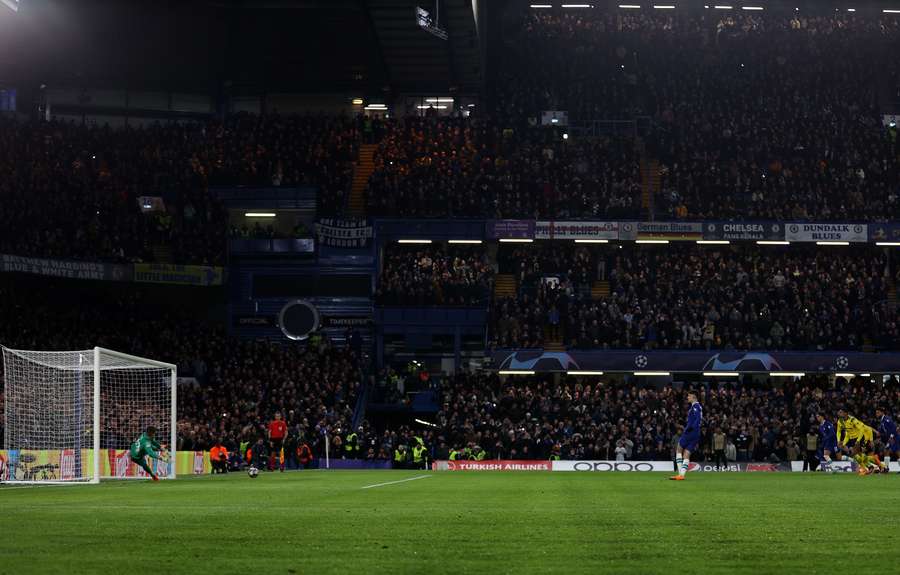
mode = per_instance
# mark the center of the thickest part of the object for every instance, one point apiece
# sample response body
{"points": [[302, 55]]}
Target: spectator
{"points": [[433, 276]]}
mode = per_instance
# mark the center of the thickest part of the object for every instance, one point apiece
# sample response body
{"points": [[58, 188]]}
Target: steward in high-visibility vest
{"points": [[351, 447], [454, 454], [245, 445], [480, 453], [400, 457], [418, 456]]}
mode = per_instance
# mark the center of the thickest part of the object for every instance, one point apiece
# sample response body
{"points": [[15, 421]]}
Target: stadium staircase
{"points": [[649, 184], [504, 286], [553, 343], [892, 296], [600, 290], [162, 254], [365, 165], [365, 390]]}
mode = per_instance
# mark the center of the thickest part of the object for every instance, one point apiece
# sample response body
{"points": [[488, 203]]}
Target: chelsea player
{"points": [[690, 438], [827, 442], [887, 431]]}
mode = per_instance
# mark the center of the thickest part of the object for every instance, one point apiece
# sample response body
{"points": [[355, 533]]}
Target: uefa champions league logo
{"points": [[842, 362], [641, 361]]}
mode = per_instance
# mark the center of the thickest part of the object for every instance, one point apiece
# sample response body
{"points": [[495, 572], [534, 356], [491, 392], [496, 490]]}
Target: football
{"points": [[252, 472]]}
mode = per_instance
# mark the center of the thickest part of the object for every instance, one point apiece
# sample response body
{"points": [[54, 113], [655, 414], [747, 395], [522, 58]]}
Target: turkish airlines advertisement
{"points": [[492, 465]]}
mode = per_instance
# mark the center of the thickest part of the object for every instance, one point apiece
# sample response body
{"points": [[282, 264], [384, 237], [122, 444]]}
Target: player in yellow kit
{"points": [[868, 463], [851, 431]]}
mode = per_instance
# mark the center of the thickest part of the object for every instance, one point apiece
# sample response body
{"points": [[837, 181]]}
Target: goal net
{"points": [[71, 416]]}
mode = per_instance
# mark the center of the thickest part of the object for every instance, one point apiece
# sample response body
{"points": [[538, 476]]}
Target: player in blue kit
{"points": [[887, 431], [828, 444], [690, 438]]}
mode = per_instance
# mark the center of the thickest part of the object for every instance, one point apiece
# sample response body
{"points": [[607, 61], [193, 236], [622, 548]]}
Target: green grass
{"points": [[456, 522]]}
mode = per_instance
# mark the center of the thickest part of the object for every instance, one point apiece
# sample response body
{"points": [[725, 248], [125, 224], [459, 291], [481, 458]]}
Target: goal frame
{"points": [[96, 370]]}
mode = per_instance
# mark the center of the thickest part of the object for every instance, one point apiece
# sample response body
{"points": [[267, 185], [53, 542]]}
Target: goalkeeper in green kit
{"points": [[147, 446]]}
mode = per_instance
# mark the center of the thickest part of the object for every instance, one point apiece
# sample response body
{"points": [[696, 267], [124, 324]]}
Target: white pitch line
{"points": [[393, 482]]}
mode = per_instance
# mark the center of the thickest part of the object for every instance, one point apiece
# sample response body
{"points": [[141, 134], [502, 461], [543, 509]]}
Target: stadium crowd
{"points": [[84, 183], [434, 275], [698, 297], [427, 167], [755, 114], [539, 418]]}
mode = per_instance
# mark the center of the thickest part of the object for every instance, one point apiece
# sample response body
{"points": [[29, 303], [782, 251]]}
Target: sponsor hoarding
{"points": [[813, 232], [705, 467], [492, 465], [844, 466], [60, 465], [604, 465]]}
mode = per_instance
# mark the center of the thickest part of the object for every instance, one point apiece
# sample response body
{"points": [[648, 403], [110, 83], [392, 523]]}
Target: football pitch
{"points": [[456, 522]]}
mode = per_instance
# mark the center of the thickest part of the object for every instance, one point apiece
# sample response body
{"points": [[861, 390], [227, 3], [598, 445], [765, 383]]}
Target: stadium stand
{"points": [[698, 297], [754, 116], [438, 167], [84, 182], [757, 114]]}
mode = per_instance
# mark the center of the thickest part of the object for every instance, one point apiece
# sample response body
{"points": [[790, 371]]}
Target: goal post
{"points": [[71, 416]]}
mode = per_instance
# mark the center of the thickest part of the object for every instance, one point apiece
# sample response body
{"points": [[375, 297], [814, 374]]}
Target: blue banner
{"points": [[696, 361], [884, 232]]}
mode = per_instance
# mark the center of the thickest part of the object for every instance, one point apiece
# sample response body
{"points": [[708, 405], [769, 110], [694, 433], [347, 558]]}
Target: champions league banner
{"points": [[695, 361]]}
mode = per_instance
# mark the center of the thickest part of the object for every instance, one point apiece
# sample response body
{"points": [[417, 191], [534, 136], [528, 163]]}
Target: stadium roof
{"points": [[281, 45]]}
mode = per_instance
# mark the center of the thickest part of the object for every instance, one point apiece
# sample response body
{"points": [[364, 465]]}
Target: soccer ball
{"points": [[252, 472]]}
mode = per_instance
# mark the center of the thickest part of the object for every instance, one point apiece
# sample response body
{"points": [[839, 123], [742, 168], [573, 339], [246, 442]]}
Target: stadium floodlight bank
{"points": [[71, 416]]}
